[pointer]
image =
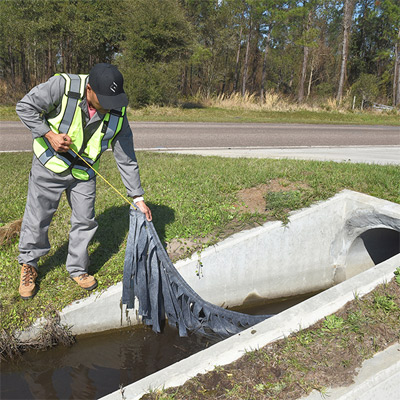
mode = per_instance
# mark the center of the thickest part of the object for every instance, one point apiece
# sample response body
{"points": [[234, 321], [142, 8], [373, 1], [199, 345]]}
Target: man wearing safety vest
{"points": [[71, 115]]}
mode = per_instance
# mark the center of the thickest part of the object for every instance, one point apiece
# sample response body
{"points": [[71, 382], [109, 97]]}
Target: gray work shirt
{"points": [[44, 101]]}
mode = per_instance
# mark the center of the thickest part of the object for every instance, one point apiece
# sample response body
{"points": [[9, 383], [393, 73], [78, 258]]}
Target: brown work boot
{"points": [[27, 286], [86, 281]]}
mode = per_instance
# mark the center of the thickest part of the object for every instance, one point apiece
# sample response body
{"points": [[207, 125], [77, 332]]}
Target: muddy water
{"points": [[98, 364]]}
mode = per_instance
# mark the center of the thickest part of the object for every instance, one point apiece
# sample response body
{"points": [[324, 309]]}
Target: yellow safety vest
{"points": [[69, 121]]}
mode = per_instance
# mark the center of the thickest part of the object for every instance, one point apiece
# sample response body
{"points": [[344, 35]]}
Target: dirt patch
{"points": [[10, 231], [327, 354], [181, 248], [253, 199]]}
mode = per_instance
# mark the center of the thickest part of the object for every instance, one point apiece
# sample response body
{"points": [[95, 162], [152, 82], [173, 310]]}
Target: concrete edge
{"points": [[296, 318]]}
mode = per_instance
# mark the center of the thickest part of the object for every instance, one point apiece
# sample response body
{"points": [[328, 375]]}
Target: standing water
{"points": [[97, 365]]}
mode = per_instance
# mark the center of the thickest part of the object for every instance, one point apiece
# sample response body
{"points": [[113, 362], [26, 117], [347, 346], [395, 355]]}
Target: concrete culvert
{"points": [[321, 246], [317, 251]]}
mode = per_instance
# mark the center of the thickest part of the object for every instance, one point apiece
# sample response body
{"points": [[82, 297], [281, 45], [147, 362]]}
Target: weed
{"points": [[235, 390], [199, 269], [159, 395], [252, 355], [385, 303], [305, 337], [332, 323], [355, 321], [167, 397], [323, 391], [345, 363], [397, 275], [260, 387], [273, 388]]}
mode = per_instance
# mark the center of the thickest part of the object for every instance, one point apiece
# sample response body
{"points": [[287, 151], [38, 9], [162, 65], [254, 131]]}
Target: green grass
{"points": [[244, 115], [189, 196], [284, 200], [7, 113], [215, 114]]}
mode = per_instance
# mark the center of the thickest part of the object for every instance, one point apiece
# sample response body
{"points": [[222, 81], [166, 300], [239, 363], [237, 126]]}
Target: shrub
{"points": [[366, 88]]}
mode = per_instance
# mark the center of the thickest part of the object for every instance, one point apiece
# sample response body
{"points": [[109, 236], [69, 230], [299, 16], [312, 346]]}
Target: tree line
{"points": [[171, 50]]}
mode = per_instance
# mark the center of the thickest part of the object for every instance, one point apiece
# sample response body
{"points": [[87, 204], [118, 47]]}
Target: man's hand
{"points": [[59, 142], [141, 205]]}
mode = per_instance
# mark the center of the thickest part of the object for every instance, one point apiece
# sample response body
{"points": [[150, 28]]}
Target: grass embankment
{"points": [[218, 112], [243, 115], [191, 198], [324, 355]]}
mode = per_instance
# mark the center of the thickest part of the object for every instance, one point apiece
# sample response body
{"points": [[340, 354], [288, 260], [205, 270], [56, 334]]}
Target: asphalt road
{"points": [[159, 135]]}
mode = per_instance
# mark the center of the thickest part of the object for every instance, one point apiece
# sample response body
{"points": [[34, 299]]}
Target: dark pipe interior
{"points": [[381, 243]]}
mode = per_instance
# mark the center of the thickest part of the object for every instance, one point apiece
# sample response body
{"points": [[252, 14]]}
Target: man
{"points": [[70, 115]]}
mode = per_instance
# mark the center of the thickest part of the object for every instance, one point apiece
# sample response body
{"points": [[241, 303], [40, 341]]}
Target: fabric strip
{"points": [[150, 276]]}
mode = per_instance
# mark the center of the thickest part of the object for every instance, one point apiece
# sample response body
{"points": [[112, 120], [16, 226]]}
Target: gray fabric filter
{"points": [[162, 293]]}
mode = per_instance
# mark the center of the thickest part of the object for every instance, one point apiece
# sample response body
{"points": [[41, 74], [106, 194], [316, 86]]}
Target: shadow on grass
{"points": [[111, 233]]}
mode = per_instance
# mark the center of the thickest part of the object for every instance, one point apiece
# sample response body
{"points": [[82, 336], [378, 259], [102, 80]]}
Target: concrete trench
{"points": [[337, 244]]}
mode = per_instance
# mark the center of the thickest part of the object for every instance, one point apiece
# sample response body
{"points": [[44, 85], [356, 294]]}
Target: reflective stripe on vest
{"points": [[69, 120], [73, 95]]}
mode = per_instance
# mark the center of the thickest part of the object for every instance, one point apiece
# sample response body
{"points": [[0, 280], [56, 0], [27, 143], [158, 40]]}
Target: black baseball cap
{"points": [[108, 84]]}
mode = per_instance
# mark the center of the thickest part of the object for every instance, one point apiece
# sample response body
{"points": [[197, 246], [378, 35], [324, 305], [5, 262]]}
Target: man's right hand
{"points": [[59, 142]]}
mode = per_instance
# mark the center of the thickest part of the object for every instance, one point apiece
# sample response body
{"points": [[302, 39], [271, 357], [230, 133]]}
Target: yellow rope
{"points": [[104, 179]]}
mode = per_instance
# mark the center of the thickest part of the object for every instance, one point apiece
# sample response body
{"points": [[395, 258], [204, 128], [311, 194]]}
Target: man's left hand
{"points": [[141, 205]]}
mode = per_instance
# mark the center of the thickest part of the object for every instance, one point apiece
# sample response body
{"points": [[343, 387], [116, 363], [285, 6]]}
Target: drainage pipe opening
{"points": [[371, 248]]}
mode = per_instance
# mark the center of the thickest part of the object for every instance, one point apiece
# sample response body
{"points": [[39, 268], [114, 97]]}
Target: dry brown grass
{"points": [[10, 231], [51, 333], [272, 102]]}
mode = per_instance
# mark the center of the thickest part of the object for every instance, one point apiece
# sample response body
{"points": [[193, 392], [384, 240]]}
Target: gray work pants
{"points": [[44, 192]]}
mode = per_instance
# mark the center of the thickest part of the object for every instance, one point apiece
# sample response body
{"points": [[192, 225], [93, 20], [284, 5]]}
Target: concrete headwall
{"points": [[308, 255], [271, 261]]}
